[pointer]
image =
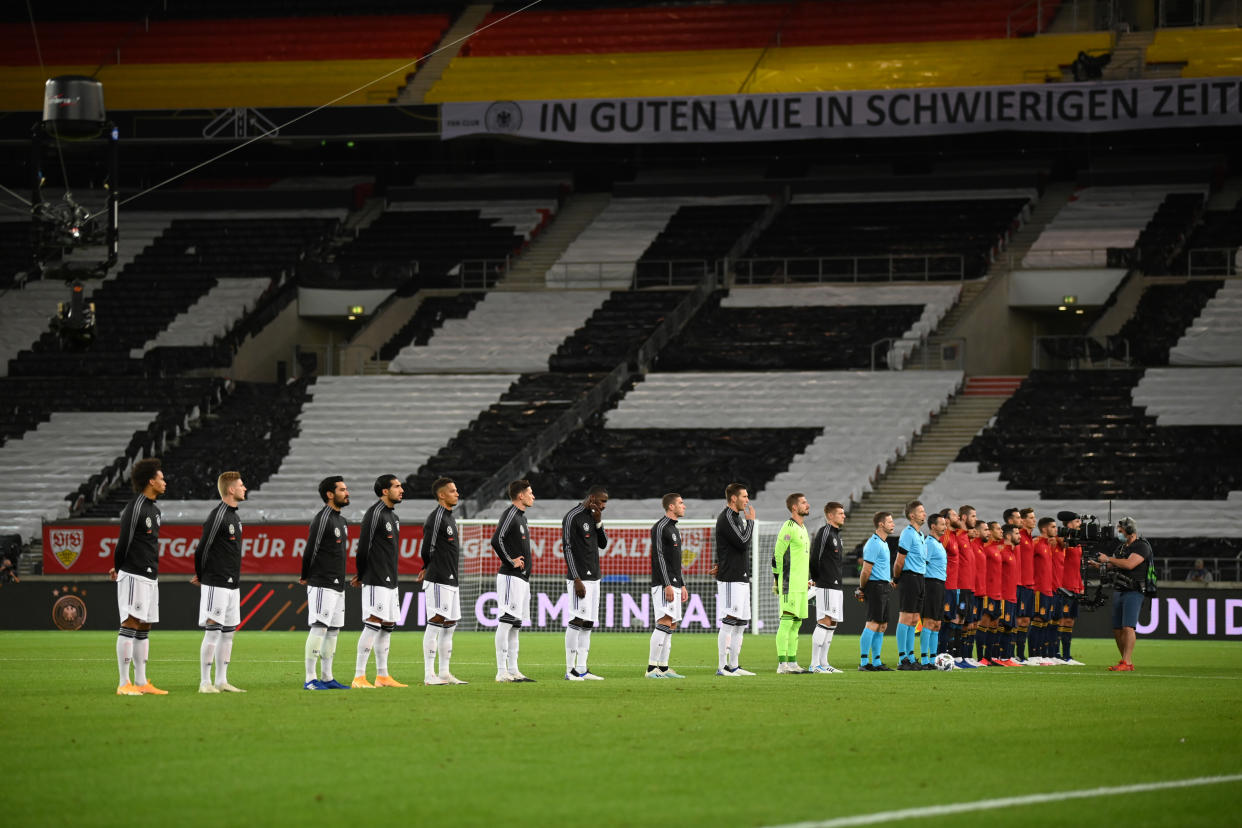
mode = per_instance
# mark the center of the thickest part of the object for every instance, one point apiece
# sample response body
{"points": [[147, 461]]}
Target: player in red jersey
{"points": [[1041, 640], [1071, 584], [977, 542], [1024, 519], [952, 627], [1054, 611], [994, 600], [1009, 539]]}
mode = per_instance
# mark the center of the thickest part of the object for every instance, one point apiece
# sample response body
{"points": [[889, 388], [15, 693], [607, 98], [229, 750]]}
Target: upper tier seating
{"points": [[26, 313], [45, 464], [179, 64], [605, 253], [505, 333], [434, 239], [814, 240], [614, 333], [1167, 231], [1206, 52], [1215, 245], [1097, 219], [695, 239], [427, 319], [1080, 436], [1215, 337], [360, 427], [1163, 315]]}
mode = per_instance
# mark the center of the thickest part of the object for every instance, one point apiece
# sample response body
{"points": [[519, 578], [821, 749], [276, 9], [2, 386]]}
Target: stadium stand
{"points": [[431, 314], [505, 333], [1205, 52], [15, 250], [201, 63], [1214, 337], [1176, 396], [1162, 317], [693, 243], [1162, 239], [606, 253], [1213, 246], [1100, 224], [615, 331], [819, 238], [25, 314]]}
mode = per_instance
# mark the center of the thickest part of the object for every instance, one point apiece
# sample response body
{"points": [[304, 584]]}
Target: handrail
{"points": [[1228, 258], [851, 268], [1081, 352], [474, 273]]}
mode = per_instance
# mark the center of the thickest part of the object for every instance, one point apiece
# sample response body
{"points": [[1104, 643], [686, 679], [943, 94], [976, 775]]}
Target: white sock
{"points": [[446, 648], [735, 652], [513, 649], [207, 654], [827, 644], [664, 651], [723, 640], [314, 649], [383, 643], [124, 653], [572, 639], [584, 648], [431, 640], [141, 648], [224, 653], [502, 645], [658, 636], [366, 643], [329, 652], [817, 644]]}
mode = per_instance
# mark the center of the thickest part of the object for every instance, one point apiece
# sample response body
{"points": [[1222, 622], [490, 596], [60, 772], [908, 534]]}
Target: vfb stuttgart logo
{"points": [[67, 545]]}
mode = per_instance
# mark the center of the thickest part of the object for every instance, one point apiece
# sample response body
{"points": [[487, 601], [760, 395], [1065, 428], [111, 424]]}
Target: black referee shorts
{"points": [[876, 593], [910, 592], [933, 598]]}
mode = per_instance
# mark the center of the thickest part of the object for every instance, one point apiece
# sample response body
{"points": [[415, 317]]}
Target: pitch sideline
{"points": [[990, 804]]}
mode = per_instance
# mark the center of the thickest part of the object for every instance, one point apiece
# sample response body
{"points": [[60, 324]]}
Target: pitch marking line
{"points": [[991, 804]]}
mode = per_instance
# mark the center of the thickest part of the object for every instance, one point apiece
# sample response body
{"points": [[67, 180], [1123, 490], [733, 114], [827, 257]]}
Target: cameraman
{"points": [[1133, 558]]}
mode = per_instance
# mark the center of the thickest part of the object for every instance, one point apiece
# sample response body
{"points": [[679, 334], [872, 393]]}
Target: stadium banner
{"points": [[76, 548], [1097, 106]]}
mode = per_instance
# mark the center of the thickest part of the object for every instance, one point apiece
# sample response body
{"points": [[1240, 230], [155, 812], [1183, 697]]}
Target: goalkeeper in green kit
{"points": [[791, 564]]}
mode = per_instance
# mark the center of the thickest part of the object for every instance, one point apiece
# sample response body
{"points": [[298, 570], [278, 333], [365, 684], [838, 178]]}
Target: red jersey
{"points": [[995, 563], [981, 567], [950, 567], [1071, 573], [1058, 565], [1026, 559], [1043, 566], [1009, 572], [965, 560]]}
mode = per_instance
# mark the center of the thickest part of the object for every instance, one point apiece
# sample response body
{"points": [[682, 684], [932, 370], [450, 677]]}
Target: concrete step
{"points": [[433, 68], [529, 271]]}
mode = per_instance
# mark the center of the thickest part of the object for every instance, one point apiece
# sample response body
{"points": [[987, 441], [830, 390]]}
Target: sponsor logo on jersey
{"points": [[336, 531], [586, 527], [231, 532], [67, 545], [448, 530], [148, 523], [387, 526]]}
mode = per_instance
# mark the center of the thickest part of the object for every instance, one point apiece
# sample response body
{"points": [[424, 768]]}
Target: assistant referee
{"points": [[873, 589]]}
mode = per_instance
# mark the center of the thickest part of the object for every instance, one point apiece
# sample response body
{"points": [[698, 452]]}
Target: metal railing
{"points": [[591, 274], [1213, 261], [1080, 352], [670, 272], [1072, 257], [480, 274], [891, 268], [1219, 569]]}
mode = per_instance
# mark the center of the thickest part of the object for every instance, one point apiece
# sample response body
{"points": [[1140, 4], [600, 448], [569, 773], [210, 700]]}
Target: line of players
{"points": [[1003, 592]]}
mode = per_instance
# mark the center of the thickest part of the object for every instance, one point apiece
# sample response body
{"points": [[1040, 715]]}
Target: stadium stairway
{"points": [[529, 271], [450, 45], [929, 454]]}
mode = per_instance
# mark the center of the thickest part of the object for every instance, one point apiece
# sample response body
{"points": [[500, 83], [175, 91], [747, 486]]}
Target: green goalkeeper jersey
{"points": [[791, 559]]}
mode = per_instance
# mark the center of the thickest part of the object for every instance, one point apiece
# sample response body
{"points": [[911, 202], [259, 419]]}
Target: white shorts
{"points": [[325, 606], [442, 599], [733, 598], [661, 608], [382, 602], [585, 608], [137, 596], [513, 595], [830, 602], [219, 604]]}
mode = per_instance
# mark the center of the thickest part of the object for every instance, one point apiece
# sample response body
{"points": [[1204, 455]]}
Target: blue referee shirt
{"points": [[937, 560], [875, 552], [913, 544]]}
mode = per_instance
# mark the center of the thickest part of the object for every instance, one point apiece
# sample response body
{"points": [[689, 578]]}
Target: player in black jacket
{"points": [[582, 537], [825, 571], [511, 543], [217, 571], [379, 545], [135, 568], [441, 553], [735, 527], [323, 573], [668, 591]]}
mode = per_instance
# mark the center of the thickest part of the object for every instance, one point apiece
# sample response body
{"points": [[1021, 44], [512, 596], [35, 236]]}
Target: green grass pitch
{"points": [[767, 750]]}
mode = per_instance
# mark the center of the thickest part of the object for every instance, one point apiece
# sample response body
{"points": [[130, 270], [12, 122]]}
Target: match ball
{"points": [[944, 661]]}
